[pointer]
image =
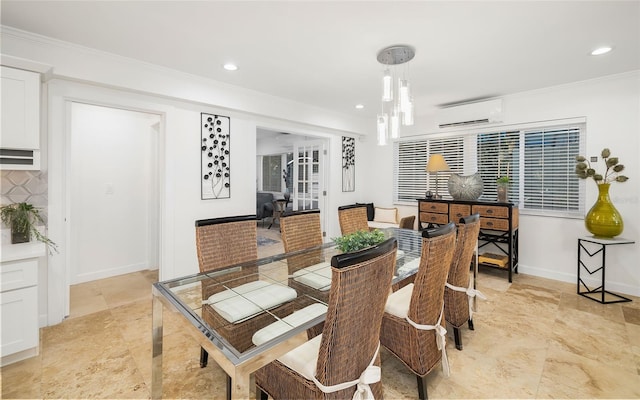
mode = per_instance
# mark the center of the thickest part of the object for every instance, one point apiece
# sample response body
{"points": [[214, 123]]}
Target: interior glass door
{"points": [[308, 175]]}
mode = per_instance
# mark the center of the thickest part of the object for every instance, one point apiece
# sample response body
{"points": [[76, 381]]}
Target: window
{"points": [[540, 163], [412, 179], [272, 175]]}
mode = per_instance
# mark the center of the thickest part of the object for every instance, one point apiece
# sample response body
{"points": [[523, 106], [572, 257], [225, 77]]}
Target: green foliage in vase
{"points": [[611, 174], [359, 240], [503, 180], [23, 218]]}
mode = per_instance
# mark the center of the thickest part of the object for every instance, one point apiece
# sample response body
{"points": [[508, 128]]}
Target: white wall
{"points": [[548, 246]]}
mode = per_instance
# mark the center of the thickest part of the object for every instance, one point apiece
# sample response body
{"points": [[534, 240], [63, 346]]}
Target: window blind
{"points": [[452, 149], [410, 161], [498, 155], [550, 183]]}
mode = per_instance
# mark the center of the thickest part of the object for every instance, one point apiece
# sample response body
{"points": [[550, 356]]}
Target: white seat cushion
{"points": [[382, 225], [398, 302], [287, 323], [303, 359], [244, 301], [317, 276]]}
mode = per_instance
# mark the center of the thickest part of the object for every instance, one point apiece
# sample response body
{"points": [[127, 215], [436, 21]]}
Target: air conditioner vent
{"points": [[483, 112], [462, 123], [20, 159]]}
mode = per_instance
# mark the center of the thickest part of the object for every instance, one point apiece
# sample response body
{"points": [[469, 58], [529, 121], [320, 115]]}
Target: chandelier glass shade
{"points": [[397, 102]]}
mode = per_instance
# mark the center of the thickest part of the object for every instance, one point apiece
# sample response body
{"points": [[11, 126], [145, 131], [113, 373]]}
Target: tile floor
{"points": [[534, 338]]}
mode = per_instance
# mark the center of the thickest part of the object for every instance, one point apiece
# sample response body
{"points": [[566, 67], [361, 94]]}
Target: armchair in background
{"points": [[264, 205]]}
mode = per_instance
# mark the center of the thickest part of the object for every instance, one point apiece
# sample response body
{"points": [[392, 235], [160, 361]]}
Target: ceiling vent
{"points": [[483, 112]]}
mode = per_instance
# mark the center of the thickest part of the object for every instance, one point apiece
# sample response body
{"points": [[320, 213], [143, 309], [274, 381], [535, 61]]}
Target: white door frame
{"points": [[57, 137]]}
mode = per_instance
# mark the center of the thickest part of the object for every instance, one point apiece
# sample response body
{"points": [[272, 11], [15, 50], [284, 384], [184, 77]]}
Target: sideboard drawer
{"points": [[434, 218], [492, 211], [426, 206], [457, 211], [494, 223]]}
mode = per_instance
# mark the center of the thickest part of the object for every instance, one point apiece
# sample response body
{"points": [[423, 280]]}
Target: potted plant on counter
{"points": [[23, 220]]}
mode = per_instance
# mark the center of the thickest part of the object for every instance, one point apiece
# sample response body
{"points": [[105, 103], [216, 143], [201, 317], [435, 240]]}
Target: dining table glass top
{"points": [[247, 308]]}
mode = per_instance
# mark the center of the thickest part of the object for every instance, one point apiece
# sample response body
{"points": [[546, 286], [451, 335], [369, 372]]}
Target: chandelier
{"points": [[397, 102]]}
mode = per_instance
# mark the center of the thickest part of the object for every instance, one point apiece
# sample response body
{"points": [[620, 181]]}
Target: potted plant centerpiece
{"points": [[359, 240], [503, 188], [23, 219], [603, 219]]}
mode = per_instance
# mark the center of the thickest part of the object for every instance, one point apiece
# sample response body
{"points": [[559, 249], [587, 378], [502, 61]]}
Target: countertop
{"points": [[12, 252]]}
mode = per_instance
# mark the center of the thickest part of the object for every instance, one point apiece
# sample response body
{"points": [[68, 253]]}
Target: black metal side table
{"points": [[598, 294]]}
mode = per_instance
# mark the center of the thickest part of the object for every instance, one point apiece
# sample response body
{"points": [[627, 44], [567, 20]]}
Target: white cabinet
{"points": [[20, 119], [19, 301]]}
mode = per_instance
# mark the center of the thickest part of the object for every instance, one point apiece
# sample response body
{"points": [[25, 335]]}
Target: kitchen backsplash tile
{"points": [[24, 186]]}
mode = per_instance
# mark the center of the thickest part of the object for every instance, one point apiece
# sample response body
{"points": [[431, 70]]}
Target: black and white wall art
{"points": [[215, 156], [348, 164]]}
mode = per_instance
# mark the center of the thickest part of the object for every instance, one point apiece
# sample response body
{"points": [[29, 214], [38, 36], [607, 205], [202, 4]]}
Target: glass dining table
{"points": [[252, 313]]}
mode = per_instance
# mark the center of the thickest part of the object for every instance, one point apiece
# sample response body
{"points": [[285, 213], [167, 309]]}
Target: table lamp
{"points": [[436, 164]]}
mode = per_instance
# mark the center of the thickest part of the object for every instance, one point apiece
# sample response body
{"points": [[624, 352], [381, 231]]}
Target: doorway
{"points": [[302, 173], [113, 186]]}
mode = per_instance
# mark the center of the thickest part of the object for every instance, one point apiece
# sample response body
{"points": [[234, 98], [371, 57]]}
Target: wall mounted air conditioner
{"points": [[482, 112]]}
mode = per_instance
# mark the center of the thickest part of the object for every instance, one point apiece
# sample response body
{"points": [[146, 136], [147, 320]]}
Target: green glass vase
{"points": [[603, 220]]}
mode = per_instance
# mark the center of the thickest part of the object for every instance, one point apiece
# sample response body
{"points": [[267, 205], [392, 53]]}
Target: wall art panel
{"points": [[348, 164], [215, 156]]}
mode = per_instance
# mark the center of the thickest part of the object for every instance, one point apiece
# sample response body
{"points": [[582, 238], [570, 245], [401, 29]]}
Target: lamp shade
{"points": [[437, 163]]}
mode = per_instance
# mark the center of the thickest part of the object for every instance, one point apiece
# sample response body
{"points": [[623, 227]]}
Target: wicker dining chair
{"points": [[301, 230], [412, 324], [407, 222], [221, 242], [348, 348], [459, 291], [353, 218]]}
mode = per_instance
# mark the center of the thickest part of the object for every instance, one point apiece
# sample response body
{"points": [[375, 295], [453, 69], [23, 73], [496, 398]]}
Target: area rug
{"points": [[263, 241]]}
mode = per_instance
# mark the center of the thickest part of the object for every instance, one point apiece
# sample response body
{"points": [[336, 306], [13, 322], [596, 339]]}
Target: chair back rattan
{"points": [[456, 304], [407, 222], [221, 242], [353, 218], [416, 348], [351, 334], [301, 230]]}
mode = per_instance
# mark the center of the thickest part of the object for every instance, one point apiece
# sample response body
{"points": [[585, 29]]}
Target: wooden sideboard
{"points": [[498, 227]]}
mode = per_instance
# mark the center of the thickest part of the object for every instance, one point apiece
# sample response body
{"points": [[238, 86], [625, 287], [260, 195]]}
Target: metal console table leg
{"points": [[602, 249]]}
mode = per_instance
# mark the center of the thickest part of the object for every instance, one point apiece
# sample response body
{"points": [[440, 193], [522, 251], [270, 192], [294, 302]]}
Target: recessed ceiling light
{"points": [[230, 67], [601, 50], [359, 106]]}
